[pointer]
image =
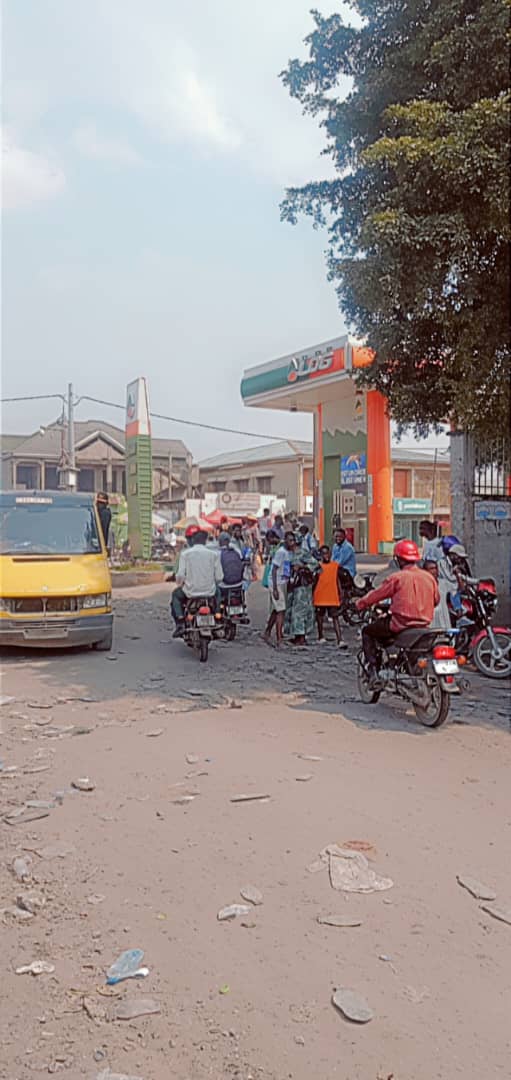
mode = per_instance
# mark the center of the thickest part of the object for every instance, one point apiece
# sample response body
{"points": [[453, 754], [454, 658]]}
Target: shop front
{"points": [[352, 458], [408, 514]]}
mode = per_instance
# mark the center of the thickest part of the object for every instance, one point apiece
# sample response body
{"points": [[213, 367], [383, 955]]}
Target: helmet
{"points": [[407, 551], [449, 542], [191, 530]]}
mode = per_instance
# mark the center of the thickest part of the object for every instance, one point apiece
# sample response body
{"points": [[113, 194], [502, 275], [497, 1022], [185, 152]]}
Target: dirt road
{"points": [[134, 864]]}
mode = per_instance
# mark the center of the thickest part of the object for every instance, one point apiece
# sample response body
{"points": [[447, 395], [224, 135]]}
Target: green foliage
{"points": [[418, 210]]}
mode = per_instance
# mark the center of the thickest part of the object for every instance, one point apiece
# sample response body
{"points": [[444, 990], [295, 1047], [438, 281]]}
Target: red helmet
{"points": [[191, 530], [407, 551]]}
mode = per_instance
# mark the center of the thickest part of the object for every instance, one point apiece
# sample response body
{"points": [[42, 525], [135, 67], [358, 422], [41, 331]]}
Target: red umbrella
{"points": [[217, 517]]}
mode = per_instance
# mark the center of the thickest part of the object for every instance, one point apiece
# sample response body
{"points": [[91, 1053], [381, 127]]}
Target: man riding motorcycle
{"points": [[198, 575], [414, 595]]}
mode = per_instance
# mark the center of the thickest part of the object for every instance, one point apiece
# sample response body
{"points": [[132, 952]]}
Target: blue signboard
{"points": [[353, 470]]}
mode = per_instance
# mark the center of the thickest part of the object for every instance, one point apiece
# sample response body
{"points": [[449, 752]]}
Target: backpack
{"points": [[232, 566]]}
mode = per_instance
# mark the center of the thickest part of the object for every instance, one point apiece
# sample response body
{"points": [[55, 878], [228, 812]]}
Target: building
{"points": [[282, 469], [32, 462]]}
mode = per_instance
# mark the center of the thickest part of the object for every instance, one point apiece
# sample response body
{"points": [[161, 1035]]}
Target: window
{"points": [[402, 484], [241, 484], [27, 476], [443, 487], [86, 480], [104, 481], [308, 481], [123, 481], [423, 484], [49, 528], [215, 485], [264, 484], [114, 480], [51, 478]]}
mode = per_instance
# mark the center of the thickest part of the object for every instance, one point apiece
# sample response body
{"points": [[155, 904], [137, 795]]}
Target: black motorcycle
{"points": [[419, 665], [202, 624], [233, 609], [352, 589]]}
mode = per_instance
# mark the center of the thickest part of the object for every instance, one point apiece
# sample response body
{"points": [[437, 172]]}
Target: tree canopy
{"points": [[417, 211]]}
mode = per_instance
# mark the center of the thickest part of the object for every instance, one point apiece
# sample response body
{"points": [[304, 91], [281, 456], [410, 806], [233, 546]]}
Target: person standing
{"points": [[327, 597], [279, 580], [104, 513], [299, 619], [343, 552], [278, 526], [308, 541]]}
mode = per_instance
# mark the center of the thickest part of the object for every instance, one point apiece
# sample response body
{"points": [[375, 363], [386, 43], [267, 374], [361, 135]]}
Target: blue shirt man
{"points": [[344, 553]]}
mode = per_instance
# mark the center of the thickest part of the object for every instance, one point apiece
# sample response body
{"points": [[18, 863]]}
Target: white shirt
{"points": [[200, 571]]}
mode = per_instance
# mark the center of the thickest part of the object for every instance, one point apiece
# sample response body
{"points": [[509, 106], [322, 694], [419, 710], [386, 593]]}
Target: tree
{"points": [[418, 210]]}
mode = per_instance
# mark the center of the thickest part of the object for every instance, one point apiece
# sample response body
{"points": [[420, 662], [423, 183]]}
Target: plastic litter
{"points": [[303, 779], [310, 757], [476, 888], [37, 967], [339, 920], [502, 914], [233, 911], [55, 851], [21, 868], [250, 798], [130, 1008], [32, 902], [127, 966], [352, 1005], [349, 871], [252, 895], [192, 759], [154, 734], [25, 814], [107, 1074]]}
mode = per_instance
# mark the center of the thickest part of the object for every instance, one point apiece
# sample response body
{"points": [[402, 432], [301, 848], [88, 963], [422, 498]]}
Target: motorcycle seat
{"points": [[406, 639]]}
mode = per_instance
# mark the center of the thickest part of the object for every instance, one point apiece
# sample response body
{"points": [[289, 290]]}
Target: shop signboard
{"points": [[354, 472], [412, 507]]}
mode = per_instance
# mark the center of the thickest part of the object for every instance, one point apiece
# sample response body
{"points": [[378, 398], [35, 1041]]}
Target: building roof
{"points": [[420, 457], [285, 450], [47, 444]]}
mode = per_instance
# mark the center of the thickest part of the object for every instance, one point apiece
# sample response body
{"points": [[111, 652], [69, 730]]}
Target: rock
{"points": [[233, 911], [352, 1005], [192, 759], [304, 777], [476, 888], [154, 734], [251, 895], [32, 902], [130, 1008], [37, 967], [339, 920], [502, 914], [83, 783]]}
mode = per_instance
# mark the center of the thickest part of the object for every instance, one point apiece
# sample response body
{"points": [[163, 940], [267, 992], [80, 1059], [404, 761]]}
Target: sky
{"points": [[146, 148]]}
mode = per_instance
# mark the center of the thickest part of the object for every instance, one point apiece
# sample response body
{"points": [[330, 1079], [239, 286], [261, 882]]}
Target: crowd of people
{"points": [[305, 581]]}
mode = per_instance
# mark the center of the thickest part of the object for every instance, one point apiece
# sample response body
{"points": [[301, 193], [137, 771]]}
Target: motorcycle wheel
{"points": [[485, 661], [230, 631], [367, 696], [203, 649], [436, 712]]}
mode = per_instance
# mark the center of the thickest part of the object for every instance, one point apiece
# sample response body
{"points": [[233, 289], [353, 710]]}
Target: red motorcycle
{"points": [[489, 646]]}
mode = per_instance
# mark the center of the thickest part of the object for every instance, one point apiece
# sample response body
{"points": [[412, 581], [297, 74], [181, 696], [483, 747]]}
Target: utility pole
{"points": [[68, 473], [170, 478]]}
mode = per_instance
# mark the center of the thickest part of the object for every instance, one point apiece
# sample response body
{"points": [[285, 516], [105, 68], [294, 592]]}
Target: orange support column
{"points": [[318, 472], [379, 512]]}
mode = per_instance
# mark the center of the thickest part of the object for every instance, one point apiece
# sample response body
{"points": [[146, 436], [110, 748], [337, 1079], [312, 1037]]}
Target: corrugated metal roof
{"points": [[285, 450], [420, 457]]}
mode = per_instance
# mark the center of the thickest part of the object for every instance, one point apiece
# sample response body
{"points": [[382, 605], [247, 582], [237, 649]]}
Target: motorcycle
{"points": [[419, 665], [489, 647], [352, 589], [233, 609], [202, 625]]}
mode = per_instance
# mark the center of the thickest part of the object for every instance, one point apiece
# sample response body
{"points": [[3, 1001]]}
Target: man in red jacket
{"points": [[413, 594]]}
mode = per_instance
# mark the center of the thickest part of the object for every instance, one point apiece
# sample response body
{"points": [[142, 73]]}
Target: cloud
{"points": [[91, 144], [27, 177]]}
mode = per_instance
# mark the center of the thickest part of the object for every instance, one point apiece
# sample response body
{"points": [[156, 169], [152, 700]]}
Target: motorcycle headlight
{"points": [[100, 600], [5, 604]]}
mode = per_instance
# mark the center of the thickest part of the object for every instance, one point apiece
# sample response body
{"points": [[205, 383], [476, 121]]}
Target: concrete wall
{"points": [[284, 479], [488, 543]]}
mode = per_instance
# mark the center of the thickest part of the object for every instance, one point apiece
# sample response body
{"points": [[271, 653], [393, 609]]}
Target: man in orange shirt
{"points": [[327, 596], [414, 595]]}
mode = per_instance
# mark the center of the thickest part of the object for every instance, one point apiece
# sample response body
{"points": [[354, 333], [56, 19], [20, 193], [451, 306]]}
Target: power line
{"points": [[156, 416], [188, 423]]}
